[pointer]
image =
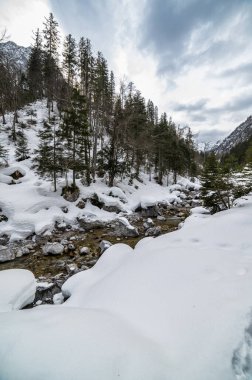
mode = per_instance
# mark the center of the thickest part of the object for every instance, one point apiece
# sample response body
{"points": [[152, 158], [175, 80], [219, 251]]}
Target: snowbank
{"points": [[17, 289]]}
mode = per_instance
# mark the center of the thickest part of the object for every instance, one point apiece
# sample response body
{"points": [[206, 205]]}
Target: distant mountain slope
{"points": [[16, 54], [240, 135]]}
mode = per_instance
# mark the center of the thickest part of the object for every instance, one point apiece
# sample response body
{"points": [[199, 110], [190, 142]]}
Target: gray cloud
{"points": [[212, 135], [191, 107], [170, 27]]}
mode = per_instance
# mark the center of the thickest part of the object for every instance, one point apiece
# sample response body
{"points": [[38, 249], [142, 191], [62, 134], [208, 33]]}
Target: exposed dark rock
{"points": [[70, 193], [114, 208], [16, 175], [81, 204], [95, 201], [123, 229], [90, 225], [148, 212]]}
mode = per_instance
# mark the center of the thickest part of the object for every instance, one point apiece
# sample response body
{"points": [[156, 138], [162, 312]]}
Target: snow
{"points": [[176, 307], [32, 207], [18, 289]]}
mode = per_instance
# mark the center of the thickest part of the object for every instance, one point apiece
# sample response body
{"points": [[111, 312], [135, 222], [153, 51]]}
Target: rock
{"points": [[71, 247], [148, 212], [114, 208], [3, 218], [84, 251], [39, 302], [104, 244], [58, 299], [146, 226], [16, 175], [73, 238], [150, 222], [6, 254], [95, 201], [61, 226], [53, 249], [90, 224], [64, 242], [92, 262], [70, 194], [4, 239], [153, 231], [161, 218], [46, 291], [22, 251], [81, 204], [64, 209], [124, 229], [72, 268]]}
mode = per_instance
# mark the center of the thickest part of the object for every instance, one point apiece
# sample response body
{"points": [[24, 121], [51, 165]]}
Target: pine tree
{"points": [[69, 60], [75, 134], [35, 68], [22, 150], [217, 187], [112, 157], [48, 156], [3, 155], [51, 37]]}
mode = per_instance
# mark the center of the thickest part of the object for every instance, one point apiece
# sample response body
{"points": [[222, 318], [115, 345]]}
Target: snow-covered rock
{"points": [[104, 245], [17, 289], [84, 251], [6, 254], [58, 299]]}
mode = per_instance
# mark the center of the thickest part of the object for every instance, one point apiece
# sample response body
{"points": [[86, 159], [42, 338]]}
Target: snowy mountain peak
{"points": [[16, 54], [242, 133]]}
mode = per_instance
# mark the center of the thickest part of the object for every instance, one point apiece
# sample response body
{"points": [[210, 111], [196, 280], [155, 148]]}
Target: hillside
{"points": [[30, 205], [18, 55], [239, 136]]}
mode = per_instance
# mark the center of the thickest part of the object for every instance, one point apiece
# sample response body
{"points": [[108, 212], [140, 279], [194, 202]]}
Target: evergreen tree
{"points": [[69, 60], [48, 156], [217, 188], [51, 72], [75, 134], [3, 155], [22, 150], [35, 68]]}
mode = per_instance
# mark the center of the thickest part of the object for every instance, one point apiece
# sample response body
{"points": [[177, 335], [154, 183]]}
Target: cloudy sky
{"points": [[193, 58]]}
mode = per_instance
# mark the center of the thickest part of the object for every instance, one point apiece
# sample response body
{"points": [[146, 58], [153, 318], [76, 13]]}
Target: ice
{"points": [[17, 289]]}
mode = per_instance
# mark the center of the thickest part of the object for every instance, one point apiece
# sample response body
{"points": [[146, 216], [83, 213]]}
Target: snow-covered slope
{"points": [[176, 307], [31, 206], [18, 55], [242, 133]]}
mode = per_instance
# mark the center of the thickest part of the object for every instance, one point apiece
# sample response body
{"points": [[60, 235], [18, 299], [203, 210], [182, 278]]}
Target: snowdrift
{"points": [[176, 307]]}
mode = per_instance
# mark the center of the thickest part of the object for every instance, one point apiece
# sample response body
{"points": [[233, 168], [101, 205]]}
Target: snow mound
{"points": [[76, 344], [18, 289]]}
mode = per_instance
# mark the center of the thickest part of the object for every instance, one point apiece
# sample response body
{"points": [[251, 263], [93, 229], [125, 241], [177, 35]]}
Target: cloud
{"points": [[181, 34]]}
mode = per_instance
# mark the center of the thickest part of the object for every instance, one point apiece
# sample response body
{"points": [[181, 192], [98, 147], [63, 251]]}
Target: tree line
{"points": [[98, 131]]}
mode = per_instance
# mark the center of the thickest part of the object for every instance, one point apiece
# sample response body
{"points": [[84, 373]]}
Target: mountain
{"points": [[240, 135], [16, 54]]}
